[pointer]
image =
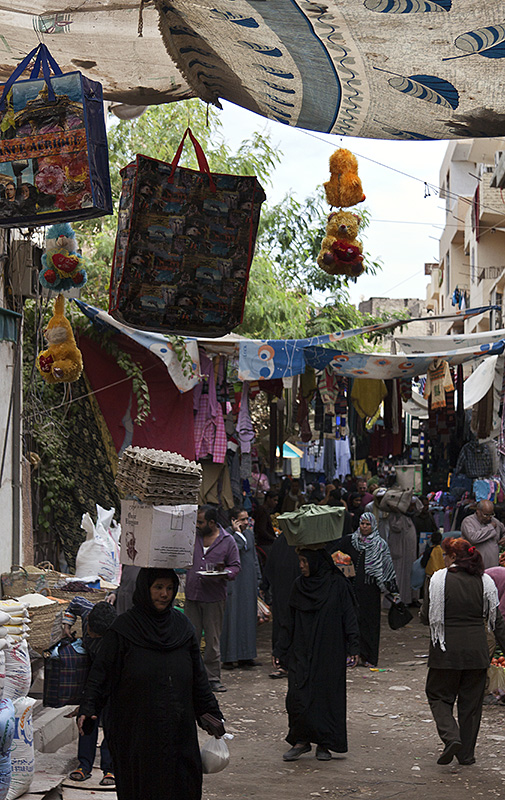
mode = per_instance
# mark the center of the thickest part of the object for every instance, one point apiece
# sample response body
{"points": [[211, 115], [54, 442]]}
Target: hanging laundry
{"points": [[308, 383], [482, 415], [475, 460], [245, 430], [438, 380], [210, 434], [367, 395], [327, 383]]}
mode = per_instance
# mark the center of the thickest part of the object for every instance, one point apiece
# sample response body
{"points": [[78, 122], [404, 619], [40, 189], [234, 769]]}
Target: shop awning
{"points": [[385, 69]]}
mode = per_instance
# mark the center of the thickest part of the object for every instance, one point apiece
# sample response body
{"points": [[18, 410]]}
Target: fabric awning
{"points": [[281, 358], [381, 366], [185, 378], [426, 344], [384, 69]]}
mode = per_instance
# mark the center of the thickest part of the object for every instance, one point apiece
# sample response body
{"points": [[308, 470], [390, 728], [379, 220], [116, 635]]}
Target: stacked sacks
{"points": [[14, 621], [16, 771]]}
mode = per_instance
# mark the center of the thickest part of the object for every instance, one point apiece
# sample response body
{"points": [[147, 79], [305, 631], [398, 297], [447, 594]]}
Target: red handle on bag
{"points": [[200, 155]]}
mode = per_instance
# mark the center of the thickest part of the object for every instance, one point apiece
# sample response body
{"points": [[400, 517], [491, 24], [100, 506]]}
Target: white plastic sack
{"points": [[18, 672], [99, 554], [7, 726], [4, 618], [22, 751], [2, 686], [13, 607], [215, 755], [7, 730]]}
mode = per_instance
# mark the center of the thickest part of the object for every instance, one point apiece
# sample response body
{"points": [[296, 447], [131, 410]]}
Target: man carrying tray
{"points": [[216, 560]]}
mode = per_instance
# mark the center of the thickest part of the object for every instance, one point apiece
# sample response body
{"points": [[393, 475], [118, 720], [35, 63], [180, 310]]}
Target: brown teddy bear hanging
{"points": [[341, 252], [62, 361]]}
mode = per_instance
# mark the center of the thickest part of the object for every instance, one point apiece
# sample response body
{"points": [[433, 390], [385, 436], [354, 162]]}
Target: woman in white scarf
{"points": [[374, 574], [460, 603]]}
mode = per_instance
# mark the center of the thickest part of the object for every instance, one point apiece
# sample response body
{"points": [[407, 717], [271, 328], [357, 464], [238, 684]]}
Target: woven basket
{"points": [[45, 626], [26, 580], [95, 596]]}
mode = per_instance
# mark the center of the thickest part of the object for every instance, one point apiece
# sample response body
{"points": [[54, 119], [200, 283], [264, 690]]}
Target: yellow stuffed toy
{"points": [[344, 188], [62, 361], [340, 252]]}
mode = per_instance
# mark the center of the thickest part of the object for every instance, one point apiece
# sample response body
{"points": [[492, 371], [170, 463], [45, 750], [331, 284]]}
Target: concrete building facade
{"points": [[472, 245]]}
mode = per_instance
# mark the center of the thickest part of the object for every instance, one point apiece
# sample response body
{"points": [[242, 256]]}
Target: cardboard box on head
{"points": [[157, 536]]}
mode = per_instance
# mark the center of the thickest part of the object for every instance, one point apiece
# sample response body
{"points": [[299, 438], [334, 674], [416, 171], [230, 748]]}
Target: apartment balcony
{"points": [[491, 204]]}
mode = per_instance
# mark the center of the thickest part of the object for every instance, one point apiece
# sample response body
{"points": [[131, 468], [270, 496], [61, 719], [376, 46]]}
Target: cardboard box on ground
{"points": [[157, 536]]}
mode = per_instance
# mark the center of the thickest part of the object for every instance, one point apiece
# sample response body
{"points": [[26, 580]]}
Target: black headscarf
{"points": [[144, 625], [310, 592]]}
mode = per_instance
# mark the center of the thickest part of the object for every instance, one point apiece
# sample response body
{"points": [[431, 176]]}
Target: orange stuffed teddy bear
{"points": [[62, 361], [344, 188]]}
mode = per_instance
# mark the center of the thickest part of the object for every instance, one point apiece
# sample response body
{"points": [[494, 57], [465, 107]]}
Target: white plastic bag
{"points": [[215, 754], [99, 554], [18, 671], [22, 752]]}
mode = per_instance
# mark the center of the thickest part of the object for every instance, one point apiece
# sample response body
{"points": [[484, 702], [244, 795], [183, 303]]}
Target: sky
{"points": [[405, 225]]}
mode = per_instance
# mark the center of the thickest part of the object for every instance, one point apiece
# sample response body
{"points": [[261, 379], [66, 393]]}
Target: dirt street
{"points": [[393, 744]]}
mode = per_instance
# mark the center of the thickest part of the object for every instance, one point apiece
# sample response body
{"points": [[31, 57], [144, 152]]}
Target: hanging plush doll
{"points": [[62, 361], [341, 252], [62, 265], [344, 188]]}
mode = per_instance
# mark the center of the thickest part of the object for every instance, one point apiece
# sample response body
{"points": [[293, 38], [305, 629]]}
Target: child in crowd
{"points": [[96, 619], [433, 556]]}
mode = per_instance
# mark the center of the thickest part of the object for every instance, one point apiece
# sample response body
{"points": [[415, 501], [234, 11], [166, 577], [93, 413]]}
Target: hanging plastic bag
{"points": [[215, 754]]}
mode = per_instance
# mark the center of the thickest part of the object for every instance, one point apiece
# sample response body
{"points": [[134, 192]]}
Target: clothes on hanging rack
{"points": [[438, 381]]}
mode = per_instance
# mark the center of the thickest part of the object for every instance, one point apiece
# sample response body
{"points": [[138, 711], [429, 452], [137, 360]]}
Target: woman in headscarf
{"points": [[323, 631], [460, 604], [380, 515], [150, 667], [374, 574]]}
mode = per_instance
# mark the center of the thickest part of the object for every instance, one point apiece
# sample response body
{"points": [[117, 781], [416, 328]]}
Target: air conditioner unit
{"points": [[24, 274]]}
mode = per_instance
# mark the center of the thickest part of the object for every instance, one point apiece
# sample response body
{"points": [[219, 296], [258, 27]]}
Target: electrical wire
{"points": [[435, 188]]}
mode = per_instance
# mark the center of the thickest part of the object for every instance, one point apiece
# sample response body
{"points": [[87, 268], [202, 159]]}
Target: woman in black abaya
{"points": [[150, 667], [323, 631]]}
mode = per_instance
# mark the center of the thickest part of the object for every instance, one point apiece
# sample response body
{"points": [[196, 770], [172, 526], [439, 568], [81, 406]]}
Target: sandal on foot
{"points": [[79, 775], [108, 779], [279, 673]]}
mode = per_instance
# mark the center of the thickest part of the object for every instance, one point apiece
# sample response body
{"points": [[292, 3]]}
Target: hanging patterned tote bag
{"points": [[184, 246], [54, 163]]}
